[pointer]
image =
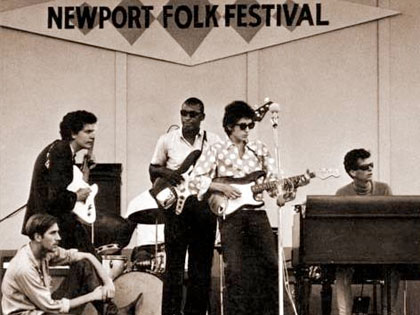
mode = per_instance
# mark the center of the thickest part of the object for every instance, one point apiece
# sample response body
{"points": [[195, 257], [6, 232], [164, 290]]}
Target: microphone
{"points": [[274, 110]]}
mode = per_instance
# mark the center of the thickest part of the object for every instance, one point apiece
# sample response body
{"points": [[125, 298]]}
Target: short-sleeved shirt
{"points": [[223, 159], [26, 284], [172, 148]]}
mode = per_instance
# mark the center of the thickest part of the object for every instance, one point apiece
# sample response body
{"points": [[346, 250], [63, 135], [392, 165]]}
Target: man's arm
{"points": [[95, 295], [35, 290], [269, 166], [158, 167], [388, 191], [108, 289], [156, 171], [60, 172], [204, 172]]}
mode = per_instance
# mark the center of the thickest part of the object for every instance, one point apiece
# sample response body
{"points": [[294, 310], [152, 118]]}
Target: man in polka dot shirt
{"points": [[248, 245]]}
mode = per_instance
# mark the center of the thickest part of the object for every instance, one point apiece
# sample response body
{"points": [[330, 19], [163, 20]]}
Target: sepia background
{"points": [[354, 87], [344, 89]]}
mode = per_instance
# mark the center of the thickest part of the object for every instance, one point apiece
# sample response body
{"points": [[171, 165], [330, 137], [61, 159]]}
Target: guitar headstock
{"points": [[324, 173], [262, 110]]}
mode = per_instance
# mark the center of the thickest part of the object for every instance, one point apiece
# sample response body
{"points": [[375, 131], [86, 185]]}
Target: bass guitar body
{"points": [[166, 194]]}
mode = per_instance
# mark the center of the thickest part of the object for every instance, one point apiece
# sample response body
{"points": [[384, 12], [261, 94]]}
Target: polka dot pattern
{"points": [[222, 159]]}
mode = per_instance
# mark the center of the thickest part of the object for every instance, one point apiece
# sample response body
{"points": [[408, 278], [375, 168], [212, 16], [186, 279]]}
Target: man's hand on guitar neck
{"points": [[285, 197], [91, 162], [82, 194]]}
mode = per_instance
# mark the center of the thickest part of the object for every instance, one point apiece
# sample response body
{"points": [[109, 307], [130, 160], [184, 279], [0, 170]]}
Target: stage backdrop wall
{"points": [[356, 87]]}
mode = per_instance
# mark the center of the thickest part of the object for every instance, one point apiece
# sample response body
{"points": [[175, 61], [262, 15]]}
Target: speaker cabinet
{"points": [[108, 178]]}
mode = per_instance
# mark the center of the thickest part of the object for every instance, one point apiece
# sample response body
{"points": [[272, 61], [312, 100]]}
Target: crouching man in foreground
{"points": [[26, 285]]}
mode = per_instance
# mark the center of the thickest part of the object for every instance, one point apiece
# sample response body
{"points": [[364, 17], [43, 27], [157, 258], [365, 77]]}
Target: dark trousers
{"points": [[192, 230], [251, 266], [74, 234], [82, 279]]}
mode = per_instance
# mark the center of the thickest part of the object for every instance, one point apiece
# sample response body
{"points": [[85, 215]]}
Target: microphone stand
{"points": [[274, 121]]}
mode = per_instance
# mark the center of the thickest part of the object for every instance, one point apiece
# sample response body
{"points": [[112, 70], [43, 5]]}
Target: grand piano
{"points": [[372, 233]]}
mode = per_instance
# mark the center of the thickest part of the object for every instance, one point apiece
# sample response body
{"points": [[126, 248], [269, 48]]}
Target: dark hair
{"points": [[193, 101], [235, 111], [73, 122], [351, 158], [39, 223]]}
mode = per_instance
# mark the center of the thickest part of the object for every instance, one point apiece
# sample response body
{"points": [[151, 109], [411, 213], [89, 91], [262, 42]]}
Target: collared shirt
{"points": [[172, 148], [222, 159], [26, 284], [73, 154]]}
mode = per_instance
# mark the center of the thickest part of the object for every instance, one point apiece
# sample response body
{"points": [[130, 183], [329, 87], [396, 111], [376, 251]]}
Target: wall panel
{"points": [[156, 91], [42, 79], [327, 90], [405, 96]]}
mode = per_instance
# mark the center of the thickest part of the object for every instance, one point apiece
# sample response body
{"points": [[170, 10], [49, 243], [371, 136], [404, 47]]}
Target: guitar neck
{"points": [[85, 164], [286, 183]]}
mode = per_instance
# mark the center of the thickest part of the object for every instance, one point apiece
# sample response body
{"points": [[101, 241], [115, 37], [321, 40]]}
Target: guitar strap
{"points": [[202, 146], [204, 140], [259, 158], [201, 150], [47, 161]]}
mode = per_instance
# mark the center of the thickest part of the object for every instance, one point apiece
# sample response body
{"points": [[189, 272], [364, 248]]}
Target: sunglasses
{"points": [[192, 114], [366, 167], [243, 126]]}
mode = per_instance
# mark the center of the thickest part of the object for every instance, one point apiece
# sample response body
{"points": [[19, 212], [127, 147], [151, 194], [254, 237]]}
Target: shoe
{"points": [[110, 308], [133, 307]]}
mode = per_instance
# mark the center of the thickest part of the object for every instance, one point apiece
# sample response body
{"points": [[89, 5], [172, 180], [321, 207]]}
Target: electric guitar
{"points": [[85, 211], [223, 206], [166, 194]]}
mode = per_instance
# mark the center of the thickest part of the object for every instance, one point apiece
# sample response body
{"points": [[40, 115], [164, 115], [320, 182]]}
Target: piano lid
{"points": [[361, 230], [365, 206]]}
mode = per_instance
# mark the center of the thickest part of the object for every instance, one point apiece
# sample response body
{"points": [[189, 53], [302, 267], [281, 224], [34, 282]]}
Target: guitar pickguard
{"points": [[166, 195], [85, 211]]}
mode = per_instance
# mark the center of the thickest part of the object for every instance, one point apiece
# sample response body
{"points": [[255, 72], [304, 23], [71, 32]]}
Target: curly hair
{"points": [[73, 122], [351, 158], [234, 112]]}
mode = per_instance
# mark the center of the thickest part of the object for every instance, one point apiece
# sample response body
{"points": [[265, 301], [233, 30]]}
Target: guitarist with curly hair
{"points": [[53, 173], [248, 244]]}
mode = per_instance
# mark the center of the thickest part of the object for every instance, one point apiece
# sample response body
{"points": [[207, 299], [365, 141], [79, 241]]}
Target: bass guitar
{"points": [[85, 210], [223, 206], [166, 194]]}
